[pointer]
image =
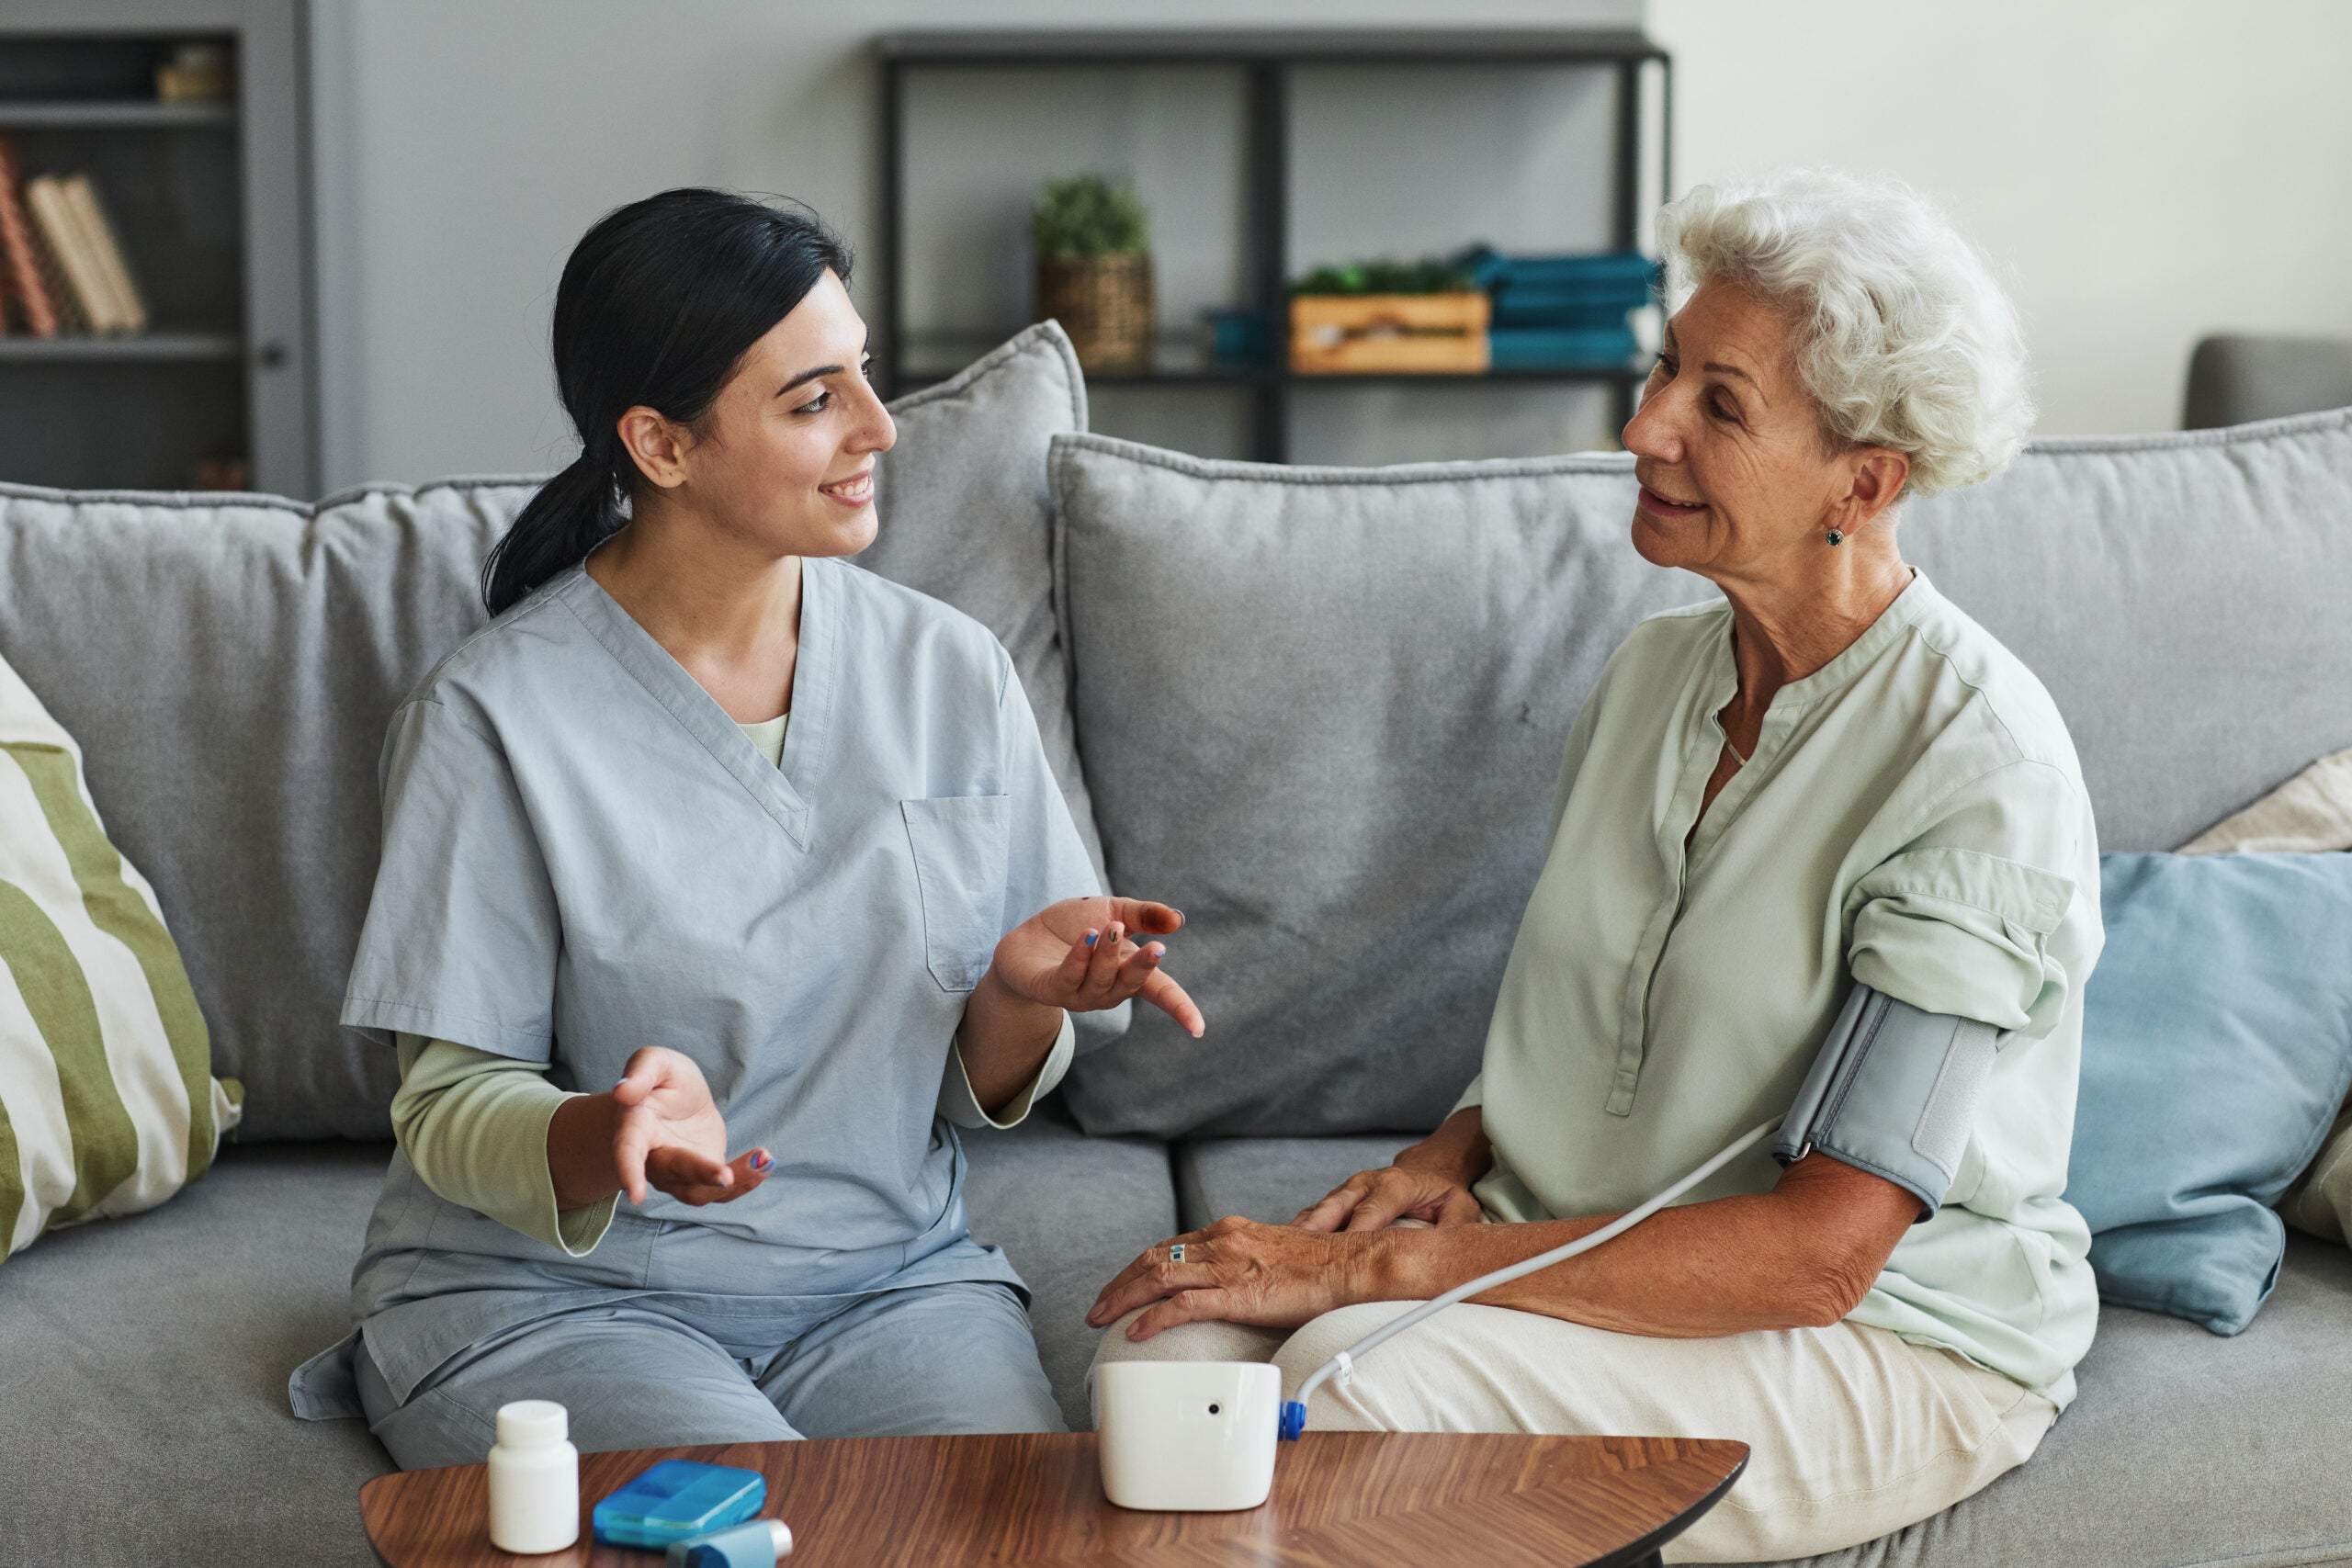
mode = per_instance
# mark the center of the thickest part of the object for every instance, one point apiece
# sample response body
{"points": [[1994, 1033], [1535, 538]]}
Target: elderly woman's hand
{"points": [[1240, 1271], [1429, 1182], [1374, 1200]]}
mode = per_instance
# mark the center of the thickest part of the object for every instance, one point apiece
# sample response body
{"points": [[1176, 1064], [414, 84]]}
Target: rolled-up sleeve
{"points": [[961, 1105], [1960, 921]]}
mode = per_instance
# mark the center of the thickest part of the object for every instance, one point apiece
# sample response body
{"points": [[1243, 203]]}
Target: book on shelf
{"points": [[71, 322], [27, 290], [76, 256], [97, 229]]}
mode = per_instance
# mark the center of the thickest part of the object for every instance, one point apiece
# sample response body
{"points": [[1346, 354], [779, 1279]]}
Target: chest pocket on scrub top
{"points": [[960, 844]]}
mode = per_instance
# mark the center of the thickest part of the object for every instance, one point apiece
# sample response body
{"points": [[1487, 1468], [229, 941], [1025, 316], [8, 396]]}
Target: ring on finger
{"points": [[1176, 1252]]}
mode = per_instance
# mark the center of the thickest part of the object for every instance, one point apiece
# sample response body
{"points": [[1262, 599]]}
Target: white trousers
{"points": [[1852, 1432]]}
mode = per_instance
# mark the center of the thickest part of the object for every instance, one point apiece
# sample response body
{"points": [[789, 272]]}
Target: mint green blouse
{"points": [[1914, 818]]}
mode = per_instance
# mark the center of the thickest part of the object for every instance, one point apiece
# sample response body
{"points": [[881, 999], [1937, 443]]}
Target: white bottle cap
{"points": [[529, 1423]]}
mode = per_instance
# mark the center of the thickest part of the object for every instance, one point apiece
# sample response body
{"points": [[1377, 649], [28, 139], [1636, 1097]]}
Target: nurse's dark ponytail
{"points": [[657, 304]]}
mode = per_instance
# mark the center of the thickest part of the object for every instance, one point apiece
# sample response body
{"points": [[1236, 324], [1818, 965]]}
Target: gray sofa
{"points": [[1318, 709]]}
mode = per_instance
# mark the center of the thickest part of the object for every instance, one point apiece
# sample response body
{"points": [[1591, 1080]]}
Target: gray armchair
{"points": [[2234, 380]]}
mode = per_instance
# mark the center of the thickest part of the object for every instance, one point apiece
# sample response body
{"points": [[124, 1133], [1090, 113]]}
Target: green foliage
{"points": [[1086, 215], [1430, 275]]}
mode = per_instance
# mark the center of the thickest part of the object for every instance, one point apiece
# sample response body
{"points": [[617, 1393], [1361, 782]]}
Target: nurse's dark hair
{"points": [[657, 306]]}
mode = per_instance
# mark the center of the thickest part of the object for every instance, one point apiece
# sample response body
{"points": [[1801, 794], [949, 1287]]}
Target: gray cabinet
{"points": [[210, 204]]}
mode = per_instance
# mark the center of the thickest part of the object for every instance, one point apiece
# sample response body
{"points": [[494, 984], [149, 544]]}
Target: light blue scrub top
{"points": [[584, 854]]}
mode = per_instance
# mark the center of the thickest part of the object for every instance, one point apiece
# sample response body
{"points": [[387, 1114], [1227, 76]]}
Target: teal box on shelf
{"points": [[678, 1498]]}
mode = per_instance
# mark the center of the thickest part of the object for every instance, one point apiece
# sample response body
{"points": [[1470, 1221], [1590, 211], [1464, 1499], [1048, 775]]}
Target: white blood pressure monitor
{"points": [[1191, 1437]]}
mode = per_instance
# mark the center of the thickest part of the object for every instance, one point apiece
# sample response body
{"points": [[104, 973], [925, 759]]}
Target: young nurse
{"points": [[719, 876]]}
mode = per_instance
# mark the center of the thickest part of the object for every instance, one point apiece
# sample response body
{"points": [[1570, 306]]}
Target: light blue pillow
{"points": [[2217, 1046]]}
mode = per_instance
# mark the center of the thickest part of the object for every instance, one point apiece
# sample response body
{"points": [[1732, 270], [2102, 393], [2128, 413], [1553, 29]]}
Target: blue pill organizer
{"points": [[678, 1498]]}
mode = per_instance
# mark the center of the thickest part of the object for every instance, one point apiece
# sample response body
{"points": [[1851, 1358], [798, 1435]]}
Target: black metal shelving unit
{"points": [[1267, 60]]}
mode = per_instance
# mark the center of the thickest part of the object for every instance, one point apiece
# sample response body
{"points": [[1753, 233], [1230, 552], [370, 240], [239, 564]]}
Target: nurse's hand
{"points": [[1078, 955], [668, 1134]]}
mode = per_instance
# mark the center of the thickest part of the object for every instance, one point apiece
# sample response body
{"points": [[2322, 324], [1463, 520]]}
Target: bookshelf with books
{"points": [[153, 277]]}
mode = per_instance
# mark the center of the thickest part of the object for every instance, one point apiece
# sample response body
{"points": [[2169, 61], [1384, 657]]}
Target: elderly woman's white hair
{"points": [[1904, 337]]}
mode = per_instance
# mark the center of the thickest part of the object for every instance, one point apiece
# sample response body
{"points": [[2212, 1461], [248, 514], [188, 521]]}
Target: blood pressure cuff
{"points": [[1894, 1092]]}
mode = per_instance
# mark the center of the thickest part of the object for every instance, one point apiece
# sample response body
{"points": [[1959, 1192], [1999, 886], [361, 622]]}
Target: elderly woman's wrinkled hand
{"points": [[1374, 1200], [1237, 1270]]}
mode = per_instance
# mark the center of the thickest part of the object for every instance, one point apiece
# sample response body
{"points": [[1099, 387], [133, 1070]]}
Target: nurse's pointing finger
{"points": [[1168, 997]]}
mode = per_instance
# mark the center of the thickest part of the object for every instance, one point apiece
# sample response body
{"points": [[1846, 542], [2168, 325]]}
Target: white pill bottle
{"points": [[534, 1479]]}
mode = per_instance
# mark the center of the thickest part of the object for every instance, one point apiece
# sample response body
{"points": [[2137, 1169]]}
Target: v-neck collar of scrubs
{"points": [[783, 791]]}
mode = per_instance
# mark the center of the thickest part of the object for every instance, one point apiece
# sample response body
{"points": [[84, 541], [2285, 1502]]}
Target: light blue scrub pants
{"points": [[931, 1358]]}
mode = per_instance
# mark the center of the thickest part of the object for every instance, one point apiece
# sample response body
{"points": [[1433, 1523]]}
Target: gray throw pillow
{"points": [[1322, 712], [2183, 597], [228, 665], [965, 517]]}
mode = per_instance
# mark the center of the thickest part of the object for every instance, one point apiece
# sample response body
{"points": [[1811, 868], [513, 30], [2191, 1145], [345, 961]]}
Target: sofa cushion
{"points": [[2217, 1045], [2183, 597], [2181, 1450], [228, 666], [1269, 1180], [2310, 814], [965, 517], [1321, 711], [1071, 1212], [107, 1104], [145, 1363]]}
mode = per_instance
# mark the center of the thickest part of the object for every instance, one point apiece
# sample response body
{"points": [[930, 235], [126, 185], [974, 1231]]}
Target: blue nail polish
{"points": [[1090, 938]]}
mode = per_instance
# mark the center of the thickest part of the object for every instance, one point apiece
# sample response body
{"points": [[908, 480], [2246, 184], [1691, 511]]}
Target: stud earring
{"points": [[1836, 538]]}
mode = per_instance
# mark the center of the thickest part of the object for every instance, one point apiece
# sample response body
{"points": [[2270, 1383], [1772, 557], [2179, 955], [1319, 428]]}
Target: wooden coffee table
{"points": [[1351, 1498]]}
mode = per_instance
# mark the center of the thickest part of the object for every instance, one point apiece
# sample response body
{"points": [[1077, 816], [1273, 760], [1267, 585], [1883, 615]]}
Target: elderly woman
{"points": [[1830, 776]]}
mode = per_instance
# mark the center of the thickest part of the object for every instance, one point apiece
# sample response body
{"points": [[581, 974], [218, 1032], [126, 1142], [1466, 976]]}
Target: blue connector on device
{"points": [[1294, 1421]]}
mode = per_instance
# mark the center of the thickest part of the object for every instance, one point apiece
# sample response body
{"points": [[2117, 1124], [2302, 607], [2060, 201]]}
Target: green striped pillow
{"points": [[107, 1102]]}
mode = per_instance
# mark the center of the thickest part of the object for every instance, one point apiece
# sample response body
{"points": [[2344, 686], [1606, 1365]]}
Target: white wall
{"points": [[463, 147], [2149, 171]]}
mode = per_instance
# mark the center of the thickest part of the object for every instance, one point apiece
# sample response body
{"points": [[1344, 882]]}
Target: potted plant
{"points": [[1094, 270], [1387, 317]]}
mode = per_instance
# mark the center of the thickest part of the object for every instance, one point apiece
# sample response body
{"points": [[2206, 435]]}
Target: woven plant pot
{"points": [[1104, 303]]}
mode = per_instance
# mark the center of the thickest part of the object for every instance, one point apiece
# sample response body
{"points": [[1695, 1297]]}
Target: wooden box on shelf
{"points": [[1435, 335]]}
